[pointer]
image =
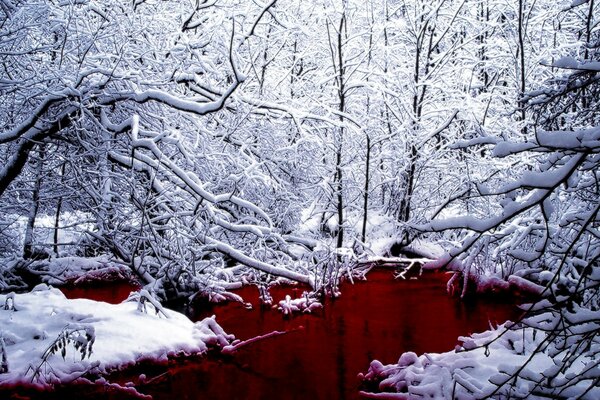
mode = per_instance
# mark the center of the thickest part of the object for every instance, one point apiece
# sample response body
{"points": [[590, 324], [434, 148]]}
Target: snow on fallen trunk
{"points": [[57, 271], [49, 339], [425, 249], [466, 280]]}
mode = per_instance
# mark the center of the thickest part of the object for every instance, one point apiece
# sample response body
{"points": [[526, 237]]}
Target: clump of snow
{"points": [[381, 230], [382, 246], [446, 262], [43, 335], [577, 3], [465, 281], [566, 62], [305, 304], [478, 368], [572, 63], [425, 249]]}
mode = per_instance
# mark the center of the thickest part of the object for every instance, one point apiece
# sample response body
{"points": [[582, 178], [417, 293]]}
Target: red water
{"points": [[321, 355], [110, 292]]}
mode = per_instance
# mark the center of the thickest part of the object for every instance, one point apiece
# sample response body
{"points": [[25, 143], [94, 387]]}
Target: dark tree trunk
{"points": [[28, 251]]}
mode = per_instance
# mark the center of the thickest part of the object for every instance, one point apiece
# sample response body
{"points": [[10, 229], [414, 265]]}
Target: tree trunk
{"points": [[521, 55], [28, 251], [363, 235], [58, 211], [338, 65]]}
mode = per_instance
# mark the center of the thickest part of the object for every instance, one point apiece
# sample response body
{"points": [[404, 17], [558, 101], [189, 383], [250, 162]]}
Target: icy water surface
{"points": [[320, 355]]}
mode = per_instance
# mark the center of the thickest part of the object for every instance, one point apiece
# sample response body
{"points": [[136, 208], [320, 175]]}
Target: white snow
{"points": [[305, 304], [566, 62], [474, 369], [588, 139], [572, 63], [425, 249], [382, 245], [576, 3], [117, 335], [56, 271]]}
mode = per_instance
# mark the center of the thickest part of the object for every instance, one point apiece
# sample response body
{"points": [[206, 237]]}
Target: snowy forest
{"points": [[202, 145]]}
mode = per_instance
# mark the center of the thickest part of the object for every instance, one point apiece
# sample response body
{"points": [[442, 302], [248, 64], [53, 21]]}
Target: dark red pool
{"points": [[110, 292], [321, 355]]}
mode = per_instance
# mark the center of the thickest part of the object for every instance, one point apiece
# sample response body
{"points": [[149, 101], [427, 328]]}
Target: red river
{"points": [[321, 354]]}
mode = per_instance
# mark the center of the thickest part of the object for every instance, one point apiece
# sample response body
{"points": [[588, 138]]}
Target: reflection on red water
{"points": [[321, 355]]}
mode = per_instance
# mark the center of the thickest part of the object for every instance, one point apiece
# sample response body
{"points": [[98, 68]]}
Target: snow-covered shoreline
{"points": [[47, 338], [482, 367]]}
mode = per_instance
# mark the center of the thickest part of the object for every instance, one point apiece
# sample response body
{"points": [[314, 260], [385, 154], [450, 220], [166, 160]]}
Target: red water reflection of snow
{"points": [[321, 354]]}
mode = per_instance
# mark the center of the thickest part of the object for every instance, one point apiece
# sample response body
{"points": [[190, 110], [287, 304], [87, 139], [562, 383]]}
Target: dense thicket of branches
{"points": [[544, 226], [116, 111]]}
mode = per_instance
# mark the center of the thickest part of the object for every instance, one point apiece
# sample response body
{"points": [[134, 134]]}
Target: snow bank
{"points": [[476, 369], [113, 336]]}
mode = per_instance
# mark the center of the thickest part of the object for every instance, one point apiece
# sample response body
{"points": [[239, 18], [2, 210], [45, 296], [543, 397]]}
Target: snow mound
{"points": [[48, 338], [480, 368]]}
